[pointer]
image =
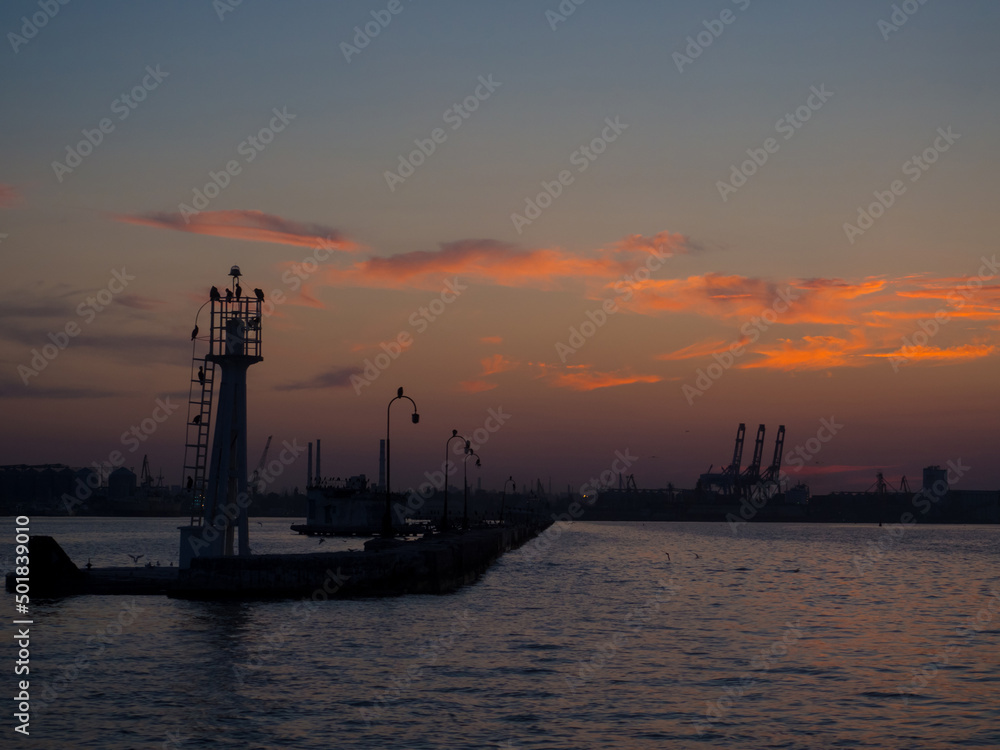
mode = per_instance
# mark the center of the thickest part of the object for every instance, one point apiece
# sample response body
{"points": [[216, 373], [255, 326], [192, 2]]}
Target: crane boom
{"points": [[255, 476]]}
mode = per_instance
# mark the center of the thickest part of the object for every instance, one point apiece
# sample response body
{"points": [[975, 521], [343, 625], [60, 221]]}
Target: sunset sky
{"points": [[770, 199]]}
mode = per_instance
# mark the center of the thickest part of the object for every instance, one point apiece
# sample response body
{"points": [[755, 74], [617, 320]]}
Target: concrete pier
{"points": [[432, 565], [435, 564]]}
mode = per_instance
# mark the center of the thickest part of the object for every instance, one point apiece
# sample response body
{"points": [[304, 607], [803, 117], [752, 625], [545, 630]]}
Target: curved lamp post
{"points": [[454, 435], [503, 496], [387, 518], [465, 482]]}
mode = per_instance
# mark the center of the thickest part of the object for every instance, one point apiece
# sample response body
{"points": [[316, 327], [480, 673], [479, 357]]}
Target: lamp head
{"points": [[415, 418]]}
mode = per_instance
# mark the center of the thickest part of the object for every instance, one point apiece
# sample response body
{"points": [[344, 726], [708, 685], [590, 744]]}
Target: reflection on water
{"points": [[618, 635]]}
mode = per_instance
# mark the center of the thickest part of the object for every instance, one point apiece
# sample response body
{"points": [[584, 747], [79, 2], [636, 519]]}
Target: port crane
{"points": [[751, 475], [751, 481], [255, 476]]}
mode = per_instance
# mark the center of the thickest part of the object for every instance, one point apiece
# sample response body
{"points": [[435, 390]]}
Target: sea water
{"points": [[598, 635]]}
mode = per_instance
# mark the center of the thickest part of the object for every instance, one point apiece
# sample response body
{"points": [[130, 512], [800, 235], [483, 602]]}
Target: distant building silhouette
{"points": [[121, 484]]}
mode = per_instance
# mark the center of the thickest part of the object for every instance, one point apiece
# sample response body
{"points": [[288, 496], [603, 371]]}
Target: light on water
{"points": [[598, 636]]}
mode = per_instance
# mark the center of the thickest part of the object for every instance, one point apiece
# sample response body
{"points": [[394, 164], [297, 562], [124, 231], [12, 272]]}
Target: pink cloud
{"points": [[9, 197], [254, 226]]}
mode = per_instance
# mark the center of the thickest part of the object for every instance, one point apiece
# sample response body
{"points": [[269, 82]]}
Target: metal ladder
{"points": [[198, 435]]}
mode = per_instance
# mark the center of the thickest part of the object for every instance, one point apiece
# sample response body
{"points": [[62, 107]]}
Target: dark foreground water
{"points": [[609, 636]]}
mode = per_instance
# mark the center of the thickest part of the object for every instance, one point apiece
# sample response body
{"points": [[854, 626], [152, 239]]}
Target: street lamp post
{"points": [[503, 496], [454, 435], [465, 482], [387, 518]]}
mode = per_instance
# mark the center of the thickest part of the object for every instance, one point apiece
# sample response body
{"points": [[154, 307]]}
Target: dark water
{"points": [[778, 637]]}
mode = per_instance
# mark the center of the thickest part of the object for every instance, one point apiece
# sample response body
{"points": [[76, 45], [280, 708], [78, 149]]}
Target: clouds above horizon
{"points": [[255, 226], [339, 377], [819, 323], [499, 263], [850, 324]]}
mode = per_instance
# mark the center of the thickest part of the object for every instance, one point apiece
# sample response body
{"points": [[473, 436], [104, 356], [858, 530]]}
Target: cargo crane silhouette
{"points": [[732, 481]]}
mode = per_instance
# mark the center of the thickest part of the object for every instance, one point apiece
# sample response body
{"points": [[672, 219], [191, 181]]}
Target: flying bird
{"points": [[136, 558], [259, 294], [194, 333], [229, 295], [321, 540], [214, 295]]}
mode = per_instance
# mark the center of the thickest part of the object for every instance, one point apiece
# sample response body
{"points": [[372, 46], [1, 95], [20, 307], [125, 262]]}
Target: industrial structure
{"points": [[216, 471], [751, 481]]}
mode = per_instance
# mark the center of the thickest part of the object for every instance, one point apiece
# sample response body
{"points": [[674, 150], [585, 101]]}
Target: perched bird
{"points": [[254, 323], [259, 294], [194, 333], [214, 295], [201, 375], [136, 558], [190, 482], [239, 291], [197, 419], [89, 564], [229, 295]]}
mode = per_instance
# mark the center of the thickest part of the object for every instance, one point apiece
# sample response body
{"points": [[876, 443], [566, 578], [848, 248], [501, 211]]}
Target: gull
{"points": [[136, 558]]}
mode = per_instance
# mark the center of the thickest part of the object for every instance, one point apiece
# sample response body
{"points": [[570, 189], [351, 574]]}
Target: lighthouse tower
{"points": [[220, 500]]}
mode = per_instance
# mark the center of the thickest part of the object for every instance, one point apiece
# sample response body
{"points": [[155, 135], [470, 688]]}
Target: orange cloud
{"points": [[940, 355], [579, 378], [254, 226], [662, 242], [861, 321], [810, 353], [503, 264], [702, 349], [9, 197], [496, 364], [476, 386], [733, 297]]}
